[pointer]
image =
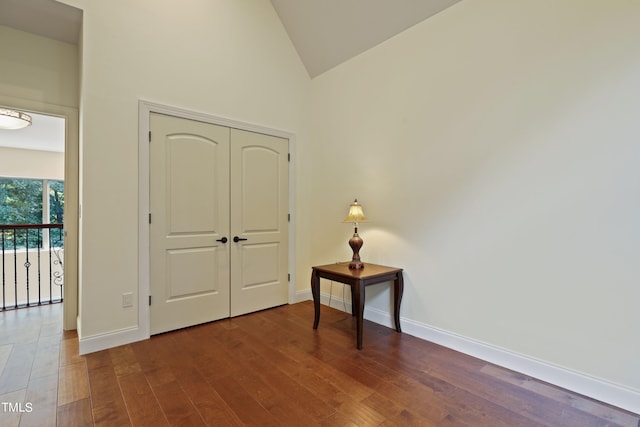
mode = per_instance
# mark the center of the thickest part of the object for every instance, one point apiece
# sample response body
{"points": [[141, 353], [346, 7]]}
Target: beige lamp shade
{"points": [[356, 214]]}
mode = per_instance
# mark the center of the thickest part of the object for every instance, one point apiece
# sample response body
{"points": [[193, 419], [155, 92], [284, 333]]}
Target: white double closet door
{"points": [[219, 222]]}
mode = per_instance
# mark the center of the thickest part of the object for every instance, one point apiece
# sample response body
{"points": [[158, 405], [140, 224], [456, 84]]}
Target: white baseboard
{"points": [[577, 382], [325, 299], [129, 335], [302, 296], [111, 339]]}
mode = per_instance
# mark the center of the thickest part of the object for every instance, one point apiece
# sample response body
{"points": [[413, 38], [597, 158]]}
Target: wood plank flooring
{"points": [[42, 378], [270, 369]]}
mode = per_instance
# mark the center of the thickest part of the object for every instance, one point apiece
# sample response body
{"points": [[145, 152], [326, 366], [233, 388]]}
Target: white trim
{"points": [[144, 321], [577, 382], [145, 108], [325, 299], [109, 340], [595, 388], [292, 221], [300, 296]]}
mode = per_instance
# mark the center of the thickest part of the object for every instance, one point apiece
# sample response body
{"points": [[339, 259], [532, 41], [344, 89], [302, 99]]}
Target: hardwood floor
{"points": [[42, 378], [269, 369]]}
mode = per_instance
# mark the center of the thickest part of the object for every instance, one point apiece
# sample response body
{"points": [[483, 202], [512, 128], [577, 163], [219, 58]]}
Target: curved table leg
{"points": [[353, 302], [315, 291], [358, 292], [398, 290]]}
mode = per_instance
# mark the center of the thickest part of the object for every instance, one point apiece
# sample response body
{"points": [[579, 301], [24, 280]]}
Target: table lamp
{"points": [[356, 215]]}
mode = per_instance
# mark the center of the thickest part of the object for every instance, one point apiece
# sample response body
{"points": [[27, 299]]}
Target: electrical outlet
{"points": [[127, 300]]}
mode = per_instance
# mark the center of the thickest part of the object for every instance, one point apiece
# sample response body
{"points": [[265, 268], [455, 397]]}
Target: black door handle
{"points": [[237, 239], [223, 240]]}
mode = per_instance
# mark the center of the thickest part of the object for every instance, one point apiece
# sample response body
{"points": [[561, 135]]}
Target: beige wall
{"points": [[31, 164], [38, 69], [495, 149], [226, 58]]}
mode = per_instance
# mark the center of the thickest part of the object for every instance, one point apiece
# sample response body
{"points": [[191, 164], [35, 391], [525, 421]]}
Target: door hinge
{"points": [[289, 217], [149, 300], [149, 136], [288, 157], [288, 277], [149, 218]]}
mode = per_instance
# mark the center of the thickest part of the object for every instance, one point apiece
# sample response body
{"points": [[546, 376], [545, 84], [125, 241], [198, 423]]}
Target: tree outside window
{"points": [[32, 201]]}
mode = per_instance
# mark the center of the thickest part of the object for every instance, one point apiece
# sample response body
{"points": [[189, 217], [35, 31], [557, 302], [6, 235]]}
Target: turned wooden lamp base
{"points": [[356, 243], [356, 265]]}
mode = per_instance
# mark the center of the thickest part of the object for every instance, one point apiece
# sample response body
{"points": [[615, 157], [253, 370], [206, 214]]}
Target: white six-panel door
{"points": [[259, 214], [209, 184], [189, 193]]}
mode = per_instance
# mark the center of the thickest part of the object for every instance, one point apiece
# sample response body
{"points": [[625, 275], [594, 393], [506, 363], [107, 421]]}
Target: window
{"points": [[32, 201]]}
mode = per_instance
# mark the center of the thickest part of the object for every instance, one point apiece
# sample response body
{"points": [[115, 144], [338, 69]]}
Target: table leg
{"points": [[398, 290], [315, 291], [353, 302], [358, 292]]}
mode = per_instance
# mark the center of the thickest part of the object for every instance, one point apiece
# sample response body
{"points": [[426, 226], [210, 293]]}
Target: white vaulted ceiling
{"points": [[329, 32]]}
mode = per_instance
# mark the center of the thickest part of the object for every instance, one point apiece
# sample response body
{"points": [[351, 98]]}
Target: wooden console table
{"points": [[371, 274]]}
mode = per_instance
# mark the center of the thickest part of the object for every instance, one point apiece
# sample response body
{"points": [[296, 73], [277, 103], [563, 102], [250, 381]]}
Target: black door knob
{"points": [[237, 239], [223, 240]]}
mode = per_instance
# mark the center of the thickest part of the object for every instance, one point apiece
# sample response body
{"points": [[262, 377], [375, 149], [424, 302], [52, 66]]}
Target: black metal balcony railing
{"points": [[32, 264]]}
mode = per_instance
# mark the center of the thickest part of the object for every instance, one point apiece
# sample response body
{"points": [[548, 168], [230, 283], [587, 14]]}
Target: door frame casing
{"points": [[72, 287], [145, 108]]}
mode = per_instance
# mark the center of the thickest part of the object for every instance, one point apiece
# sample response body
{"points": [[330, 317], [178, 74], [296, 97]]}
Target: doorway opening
{"points": [[32, 195]]}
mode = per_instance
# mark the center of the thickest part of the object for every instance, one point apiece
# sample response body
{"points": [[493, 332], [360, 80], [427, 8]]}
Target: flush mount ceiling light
{"points": [[12, 119]]}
